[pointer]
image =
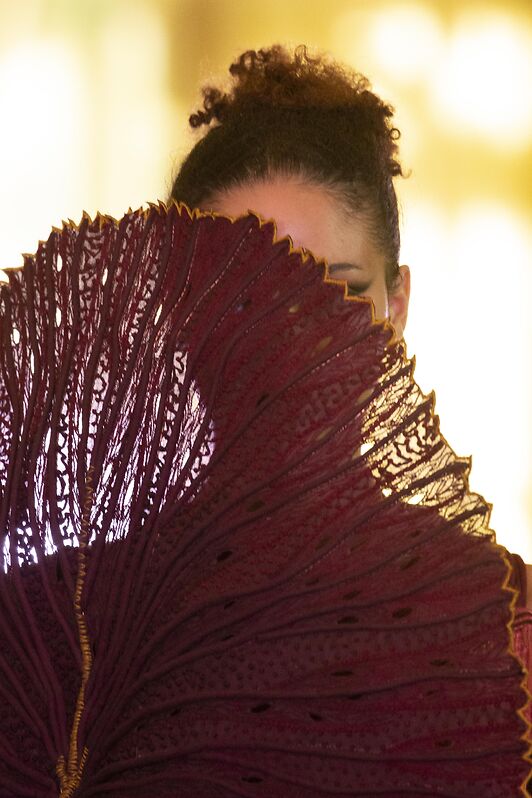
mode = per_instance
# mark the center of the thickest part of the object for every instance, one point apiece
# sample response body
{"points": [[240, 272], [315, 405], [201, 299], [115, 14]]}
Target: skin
{"points": [[316, 221]]}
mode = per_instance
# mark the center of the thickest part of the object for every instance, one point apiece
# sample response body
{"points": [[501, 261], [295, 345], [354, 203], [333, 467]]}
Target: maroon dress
{"points": [[522, 625], [240, 559]]}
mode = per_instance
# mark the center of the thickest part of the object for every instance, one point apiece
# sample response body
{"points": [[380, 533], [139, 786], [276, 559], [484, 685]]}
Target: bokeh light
{"points": [[135, 146], [407, 41], [484, 86], [42, 138]]}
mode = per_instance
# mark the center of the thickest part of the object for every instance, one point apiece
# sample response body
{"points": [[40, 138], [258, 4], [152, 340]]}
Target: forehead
{"points": [[308, 213]]}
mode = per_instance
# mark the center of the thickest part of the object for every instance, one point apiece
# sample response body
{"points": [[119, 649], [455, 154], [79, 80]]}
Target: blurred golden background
{"points": [[94, 102]]}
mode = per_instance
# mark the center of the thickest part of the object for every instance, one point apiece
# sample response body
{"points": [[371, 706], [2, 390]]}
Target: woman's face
{"points": [[314, 220]]}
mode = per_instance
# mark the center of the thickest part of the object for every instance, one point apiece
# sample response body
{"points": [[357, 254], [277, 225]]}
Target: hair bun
{"points": [[289, 112], [278, 79]]}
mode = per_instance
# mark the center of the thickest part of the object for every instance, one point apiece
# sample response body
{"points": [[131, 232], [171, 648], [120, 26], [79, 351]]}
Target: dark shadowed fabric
{"points": [[239, 557]]}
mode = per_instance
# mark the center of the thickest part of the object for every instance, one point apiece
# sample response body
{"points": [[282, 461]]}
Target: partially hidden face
{"points": [[316, 221]]}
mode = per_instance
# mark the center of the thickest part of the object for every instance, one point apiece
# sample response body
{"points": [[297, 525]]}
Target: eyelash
{"points": [[356, 290]]}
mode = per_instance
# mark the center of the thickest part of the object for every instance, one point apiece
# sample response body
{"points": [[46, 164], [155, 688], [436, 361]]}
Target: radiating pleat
{"points": [[288, 589]]}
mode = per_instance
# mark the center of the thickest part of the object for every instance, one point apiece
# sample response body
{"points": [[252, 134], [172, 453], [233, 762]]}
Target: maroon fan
{"points": [[239, 557]]}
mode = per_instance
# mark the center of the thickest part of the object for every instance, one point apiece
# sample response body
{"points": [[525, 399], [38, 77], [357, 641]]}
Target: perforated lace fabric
{"points": [[240, 559]]}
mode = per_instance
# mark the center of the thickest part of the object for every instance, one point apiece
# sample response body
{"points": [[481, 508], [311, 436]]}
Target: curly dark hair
{"points": [[299, 115]]}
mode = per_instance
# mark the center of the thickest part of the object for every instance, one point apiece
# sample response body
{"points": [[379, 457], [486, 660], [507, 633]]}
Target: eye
{"points": [[356, 290]]}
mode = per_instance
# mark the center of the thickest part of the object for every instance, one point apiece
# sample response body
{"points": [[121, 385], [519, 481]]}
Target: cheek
{"points": [[379, 294]]}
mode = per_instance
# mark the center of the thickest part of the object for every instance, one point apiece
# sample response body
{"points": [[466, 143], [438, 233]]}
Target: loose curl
{"points": [[301, 115]]}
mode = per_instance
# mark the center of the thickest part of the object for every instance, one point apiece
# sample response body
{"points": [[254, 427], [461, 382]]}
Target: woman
{"points": [[304, 141], [230, 597]]}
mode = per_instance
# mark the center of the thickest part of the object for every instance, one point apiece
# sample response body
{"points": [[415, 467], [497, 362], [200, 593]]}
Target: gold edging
{"points": [[527, 707], [70, 774], [163, 208]]}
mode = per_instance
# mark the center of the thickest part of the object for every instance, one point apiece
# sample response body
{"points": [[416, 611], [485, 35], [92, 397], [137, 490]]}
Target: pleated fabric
{"points": [[239, 557]]}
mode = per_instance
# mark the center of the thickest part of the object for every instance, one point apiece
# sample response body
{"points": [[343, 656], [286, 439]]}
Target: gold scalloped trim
{"points": [[523, 712], [163, 209]]}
